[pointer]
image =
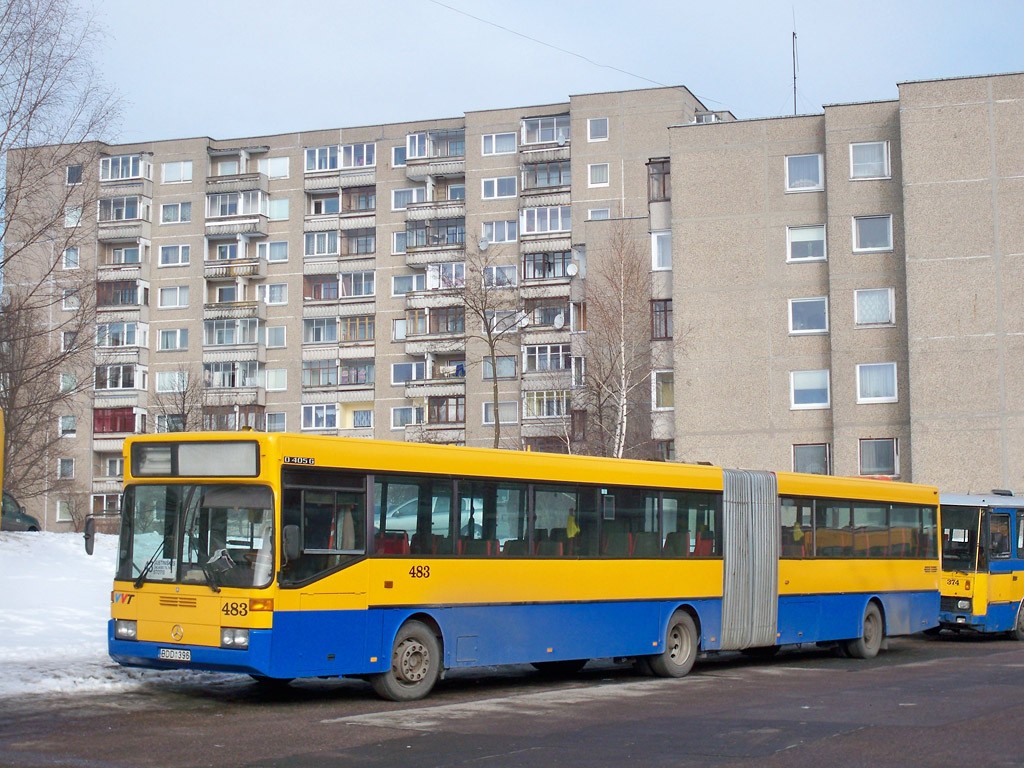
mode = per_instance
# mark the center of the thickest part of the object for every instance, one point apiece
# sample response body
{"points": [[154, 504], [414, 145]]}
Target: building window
{"points": [[808, 390], [805, 243], [276, 379], [546, 404], [503, 186], [68, 382], [357, 284], [116, 420], [119, 377], [73, 175], [545, 444], [272, 293], [876, 383], [177, 173], [273, 167], [71, 259], [546, 265], [70, 299], [404, 416], [320, 287], [508, 412], [446, 410], [498, 143], [319, 330], [547, 357], [874, 306], [398, 156], [277, 209], [659, 181], [67, 426], [403, 198], [812, 459], [662, 390], [808, 315], [362, 419], [320, 416], [598, 214], [804, 173], [500, 231], [666, 450], [72, 216], [597, 129], [175, 213], [403, 284], [65, 510], [123, 209], [506, 367], [545, 175], [124, 167], [403, 372], [321, 159], [597, 175], [275, 251], [275, 336], [356, 372], [872, 233], [357, 328], [321, 244], [174, 297], [661, 319], [869, 160], [446, 276], [879, 456], [174, 255], [276, 422], [358, 155], [65, 469], [661, 250], [542, 130], [117, 335], [359, 242], [171, 381], [319, 373], [500, 276], [173, 338]]}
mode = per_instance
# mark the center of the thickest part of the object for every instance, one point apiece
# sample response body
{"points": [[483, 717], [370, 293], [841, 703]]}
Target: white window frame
{"points": [[591, 167], [348, 151], [61, 474], [284, 336], [828, 455], [494, 143], [875, 249], [657, 235], [182, 254], [485, 363], [895, 454], [179, 335], [417, 277], [325, 158], [795, 406], [177, 207], [264, 293], [184, 174], [70, 299], [75, 261], [180, 293], [560, 398], [599, 214], [277, 209], [500, 276], [72, 425], [67, 175], [564, 216], [414, 365], [171, 381], [327, 412], [812, 331], [284, 421], [655, 375], [821, 173], [65, 510], [887, 169], [790, 259], [488, 406], [275, 379], [591, 122], [72, 216], [894, 398], [858, 323], [266, 248], [271, 167], [419, 195], [495, 183], [394, 160], [500, 231], [414, 411], [321, 238]]}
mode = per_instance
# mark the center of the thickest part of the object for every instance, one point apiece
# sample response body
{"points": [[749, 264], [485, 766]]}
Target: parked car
{"points": [[13, 516]]}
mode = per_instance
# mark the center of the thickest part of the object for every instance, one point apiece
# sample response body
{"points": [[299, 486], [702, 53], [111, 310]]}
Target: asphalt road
{"points": [[923, 702]]}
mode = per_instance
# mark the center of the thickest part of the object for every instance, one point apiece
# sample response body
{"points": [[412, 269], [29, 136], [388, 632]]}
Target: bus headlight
{"points": [[963, 605], [234, 638], [125, 629]]}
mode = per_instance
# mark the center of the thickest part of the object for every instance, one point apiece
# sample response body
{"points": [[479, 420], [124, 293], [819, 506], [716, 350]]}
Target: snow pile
{"points": [[54, 607]]}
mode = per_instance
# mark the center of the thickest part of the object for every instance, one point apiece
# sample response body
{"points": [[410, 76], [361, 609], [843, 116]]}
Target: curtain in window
{"points": [[877, 457], [873, 307], [803, 172], [869, 160], [878, 381]]}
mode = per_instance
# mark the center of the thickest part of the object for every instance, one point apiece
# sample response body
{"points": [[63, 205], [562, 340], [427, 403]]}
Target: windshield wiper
{"points": [[149, 564]]}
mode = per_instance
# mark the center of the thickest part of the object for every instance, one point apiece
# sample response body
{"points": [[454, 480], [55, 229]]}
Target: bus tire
{"points": [[1017, 633], [680, 651], [558, 668], [415, 664], [868, 644]]}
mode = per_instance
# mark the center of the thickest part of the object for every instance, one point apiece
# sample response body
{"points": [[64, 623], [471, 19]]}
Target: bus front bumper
{"points": [[254, 660]]}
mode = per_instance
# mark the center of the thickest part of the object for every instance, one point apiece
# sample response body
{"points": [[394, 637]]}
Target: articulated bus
{"points": [[982, 582], [284, 556]]}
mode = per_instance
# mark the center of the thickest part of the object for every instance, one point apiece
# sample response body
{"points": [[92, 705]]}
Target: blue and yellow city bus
{"points": [[982, 581], [285, 556]]}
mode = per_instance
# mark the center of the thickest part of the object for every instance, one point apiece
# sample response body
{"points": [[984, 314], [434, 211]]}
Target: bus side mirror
{"points": [[291, 543], [89, 534]]}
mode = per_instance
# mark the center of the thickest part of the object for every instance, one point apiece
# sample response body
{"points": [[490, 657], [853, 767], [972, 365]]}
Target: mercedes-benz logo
{"points": [[177, 632]]}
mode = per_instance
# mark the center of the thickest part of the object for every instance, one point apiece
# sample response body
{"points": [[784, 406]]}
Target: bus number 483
{"points": [[420, 571]]}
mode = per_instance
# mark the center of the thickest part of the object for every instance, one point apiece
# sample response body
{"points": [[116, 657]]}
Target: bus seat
{"points": [[393, 543], [424, 543], [704, 546], [617, 544], [647, 545], [515, 547], [549, 548], [558, 534], [479, 547], [677, 544]]}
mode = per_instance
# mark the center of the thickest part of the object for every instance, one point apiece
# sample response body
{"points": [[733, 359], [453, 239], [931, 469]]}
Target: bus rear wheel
{"points": [[680, 651], [415, 664], [868, 644]]}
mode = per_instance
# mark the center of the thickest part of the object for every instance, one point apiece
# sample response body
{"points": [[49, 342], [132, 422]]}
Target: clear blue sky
{"points": [[226, 69]]}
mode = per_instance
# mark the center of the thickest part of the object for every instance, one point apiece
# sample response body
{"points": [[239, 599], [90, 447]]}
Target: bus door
{"points": [[1002, 587]]}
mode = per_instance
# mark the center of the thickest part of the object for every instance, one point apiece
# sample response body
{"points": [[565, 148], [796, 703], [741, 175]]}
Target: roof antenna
{"points": [[794, 62]]}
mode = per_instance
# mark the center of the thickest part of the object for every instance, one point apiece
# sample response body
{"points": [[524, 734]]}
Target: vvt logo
{"points": [[121, 597]]}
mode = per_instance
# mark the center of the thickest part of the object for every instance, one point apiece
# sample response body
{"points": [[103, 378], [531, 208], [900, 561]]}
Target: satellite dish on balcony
{"points": [[482, 245], [572, 270], [524, 321], [559, 321]]}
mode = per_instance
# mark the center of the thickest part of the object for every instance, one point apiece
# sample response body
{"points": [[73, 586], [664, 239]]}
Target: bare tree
{"points": [[54, 111], [617, 344], [493, 314], [181, 408]]}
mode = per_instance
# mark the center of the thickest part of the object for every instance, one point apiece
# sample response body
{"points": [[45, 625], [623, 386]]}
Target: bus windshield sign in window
{"points": [[223, 459]]}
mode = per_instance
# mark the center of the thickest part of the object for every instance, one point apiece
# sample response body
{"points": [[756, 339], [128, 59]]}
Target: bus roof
{"points": [[994, 500]]}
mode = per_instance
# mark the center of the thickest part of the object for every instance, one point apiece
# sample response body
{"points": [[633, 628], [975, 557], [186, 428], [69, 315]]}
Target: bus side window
{"points": [[1020, 534], [999, 535]]}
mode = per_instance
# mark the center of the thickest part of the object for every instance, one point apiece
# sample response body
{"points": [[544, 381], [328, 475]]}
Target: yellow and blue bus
{"points": [[284, 556], [982, 583]]}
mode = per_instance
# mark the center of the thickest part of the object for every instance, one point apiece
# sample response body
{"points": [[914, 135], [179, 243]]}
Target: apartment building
{"points": [[832, 293]]}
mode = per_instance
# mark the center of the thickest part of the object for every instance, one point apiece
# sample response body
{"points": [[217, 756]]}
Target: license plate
{"points": [[176, 654]]}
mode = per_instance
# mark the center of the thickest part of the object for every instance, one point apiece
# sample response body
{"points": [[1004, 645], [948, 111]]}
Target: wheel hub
{"points": [[412, 661]]}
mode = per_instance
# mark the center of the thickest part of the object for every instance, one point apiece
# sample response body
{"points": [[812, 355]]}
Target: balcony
{"points": [[541, 197], [124, 230], [253, 224], [449, 297], [120, 398], [436, 433], [444, 386], [234, 310], [220, 269], [547, 152], [235, 396], [234, 353], [107, 484], [126, 187], [125, 355], [435, 343], [436, 153], [555, 287], [236, 182], [435, 209]]}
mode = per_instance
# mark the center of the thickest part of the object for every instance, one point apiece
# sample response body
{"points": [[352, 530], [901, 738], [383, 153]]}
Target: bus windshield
{"points": [[960, 529], [217, 534]]}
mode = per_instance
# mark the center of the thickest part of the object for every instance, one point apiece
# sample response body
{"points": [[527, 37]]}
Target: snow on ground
{"points": [[54, 607]]}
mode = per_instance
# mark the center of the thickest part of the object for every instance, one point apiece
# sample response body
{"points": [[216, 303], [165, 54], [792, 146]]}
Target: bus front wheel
{"points": [[1017, 633], [867, 645], [680, 647], [415, 664]]}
